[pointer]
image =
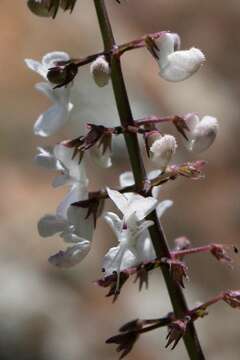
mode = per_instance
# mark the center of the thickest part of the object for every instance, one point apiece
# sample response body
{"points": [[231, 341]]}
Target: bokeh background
{"points": [[52, 314]]}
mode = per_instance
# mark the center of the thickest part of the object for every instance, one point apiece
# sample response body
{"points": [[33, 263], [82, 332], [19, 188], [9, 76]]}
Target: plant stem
{"points": [[156, 232]]}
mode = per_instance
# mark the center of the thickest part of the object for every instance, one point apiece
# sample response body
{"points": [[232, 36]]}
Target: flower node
{"points": [[232, 298], [219, 252], [178, 270], [177, 330]]}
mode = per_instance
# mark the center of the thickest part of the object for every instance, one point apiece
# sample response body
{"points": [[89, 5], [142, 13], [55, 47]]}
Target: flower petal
{"points": [[46, 159], [49, 60], [76, 170], [182, 64], [50, 225], [47, 90], [114, 222], [35, 66], [60, 180], [102, 160], [83, 227], [51, 121], [163, 206], [204, 134], [112, 261], [140, 205], [126, 179], [119, 199], [71, 256], [77, 193]]}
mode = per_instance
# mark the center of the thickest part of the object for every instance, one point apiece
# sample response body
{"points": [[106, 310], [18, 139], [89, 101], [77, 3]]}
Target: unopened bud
{"points": [[62, 75], [100, 71], [162, 149], [44, 8], [202, 133], [175, 64]]}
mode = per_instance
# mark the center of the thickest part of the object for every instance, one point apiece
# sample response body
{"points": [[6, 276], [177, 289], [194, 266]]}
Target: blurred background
{"points": [[52, 314]]}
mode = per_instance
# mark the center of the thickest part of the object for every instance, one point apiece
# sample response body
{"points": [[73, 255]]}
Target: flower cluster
{"points": [[137, 228]]}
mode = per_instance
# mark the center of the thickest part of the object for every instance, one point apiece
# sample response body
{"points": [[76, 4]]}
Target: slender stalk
{"points": [[156, 231]]}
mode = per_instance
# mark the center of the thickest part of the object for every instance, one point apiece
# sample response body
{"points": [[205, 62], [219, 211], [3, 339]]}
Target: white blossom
{"points": [[135, 245], [45, 158], [162, 151], [58, 114], [202, 132], [72, 172], [176, 65], [69, 221], [100, 71], [103, 160]]}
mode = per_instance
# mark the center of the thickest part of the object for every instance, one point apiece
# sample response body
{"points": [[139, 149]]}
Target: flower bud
{"points": [[202, 132], [44, 8], [176, 65], [162, 149], [62, 75], [100, 71]]}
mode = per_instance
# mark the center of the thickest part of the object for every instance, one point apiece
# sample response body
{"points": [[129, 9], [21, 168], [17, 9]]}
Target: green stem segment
{"points": [[156, 231]]}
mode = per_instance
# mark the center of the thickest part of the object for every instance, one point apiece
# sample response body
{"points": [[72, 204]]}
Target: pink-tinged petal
{"points": [[71, 256], [50, 225], [51, 121]]}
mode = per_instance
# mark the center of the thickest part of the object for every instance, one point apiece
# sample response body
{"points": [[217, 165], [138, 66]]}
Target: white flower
{"points": [[71, 223], [133, 204], [162, 151], [61, 159], [100, 71], [135, 245], [103, 160], [128, 232], [57, 115], [46, 159], [73, 172], [177, 65], [48, 61], [202, 133]]}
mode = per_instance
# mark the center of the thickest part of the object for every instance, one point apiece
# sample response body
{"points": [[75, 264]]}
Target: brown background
{"points": [[49, 314]]}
